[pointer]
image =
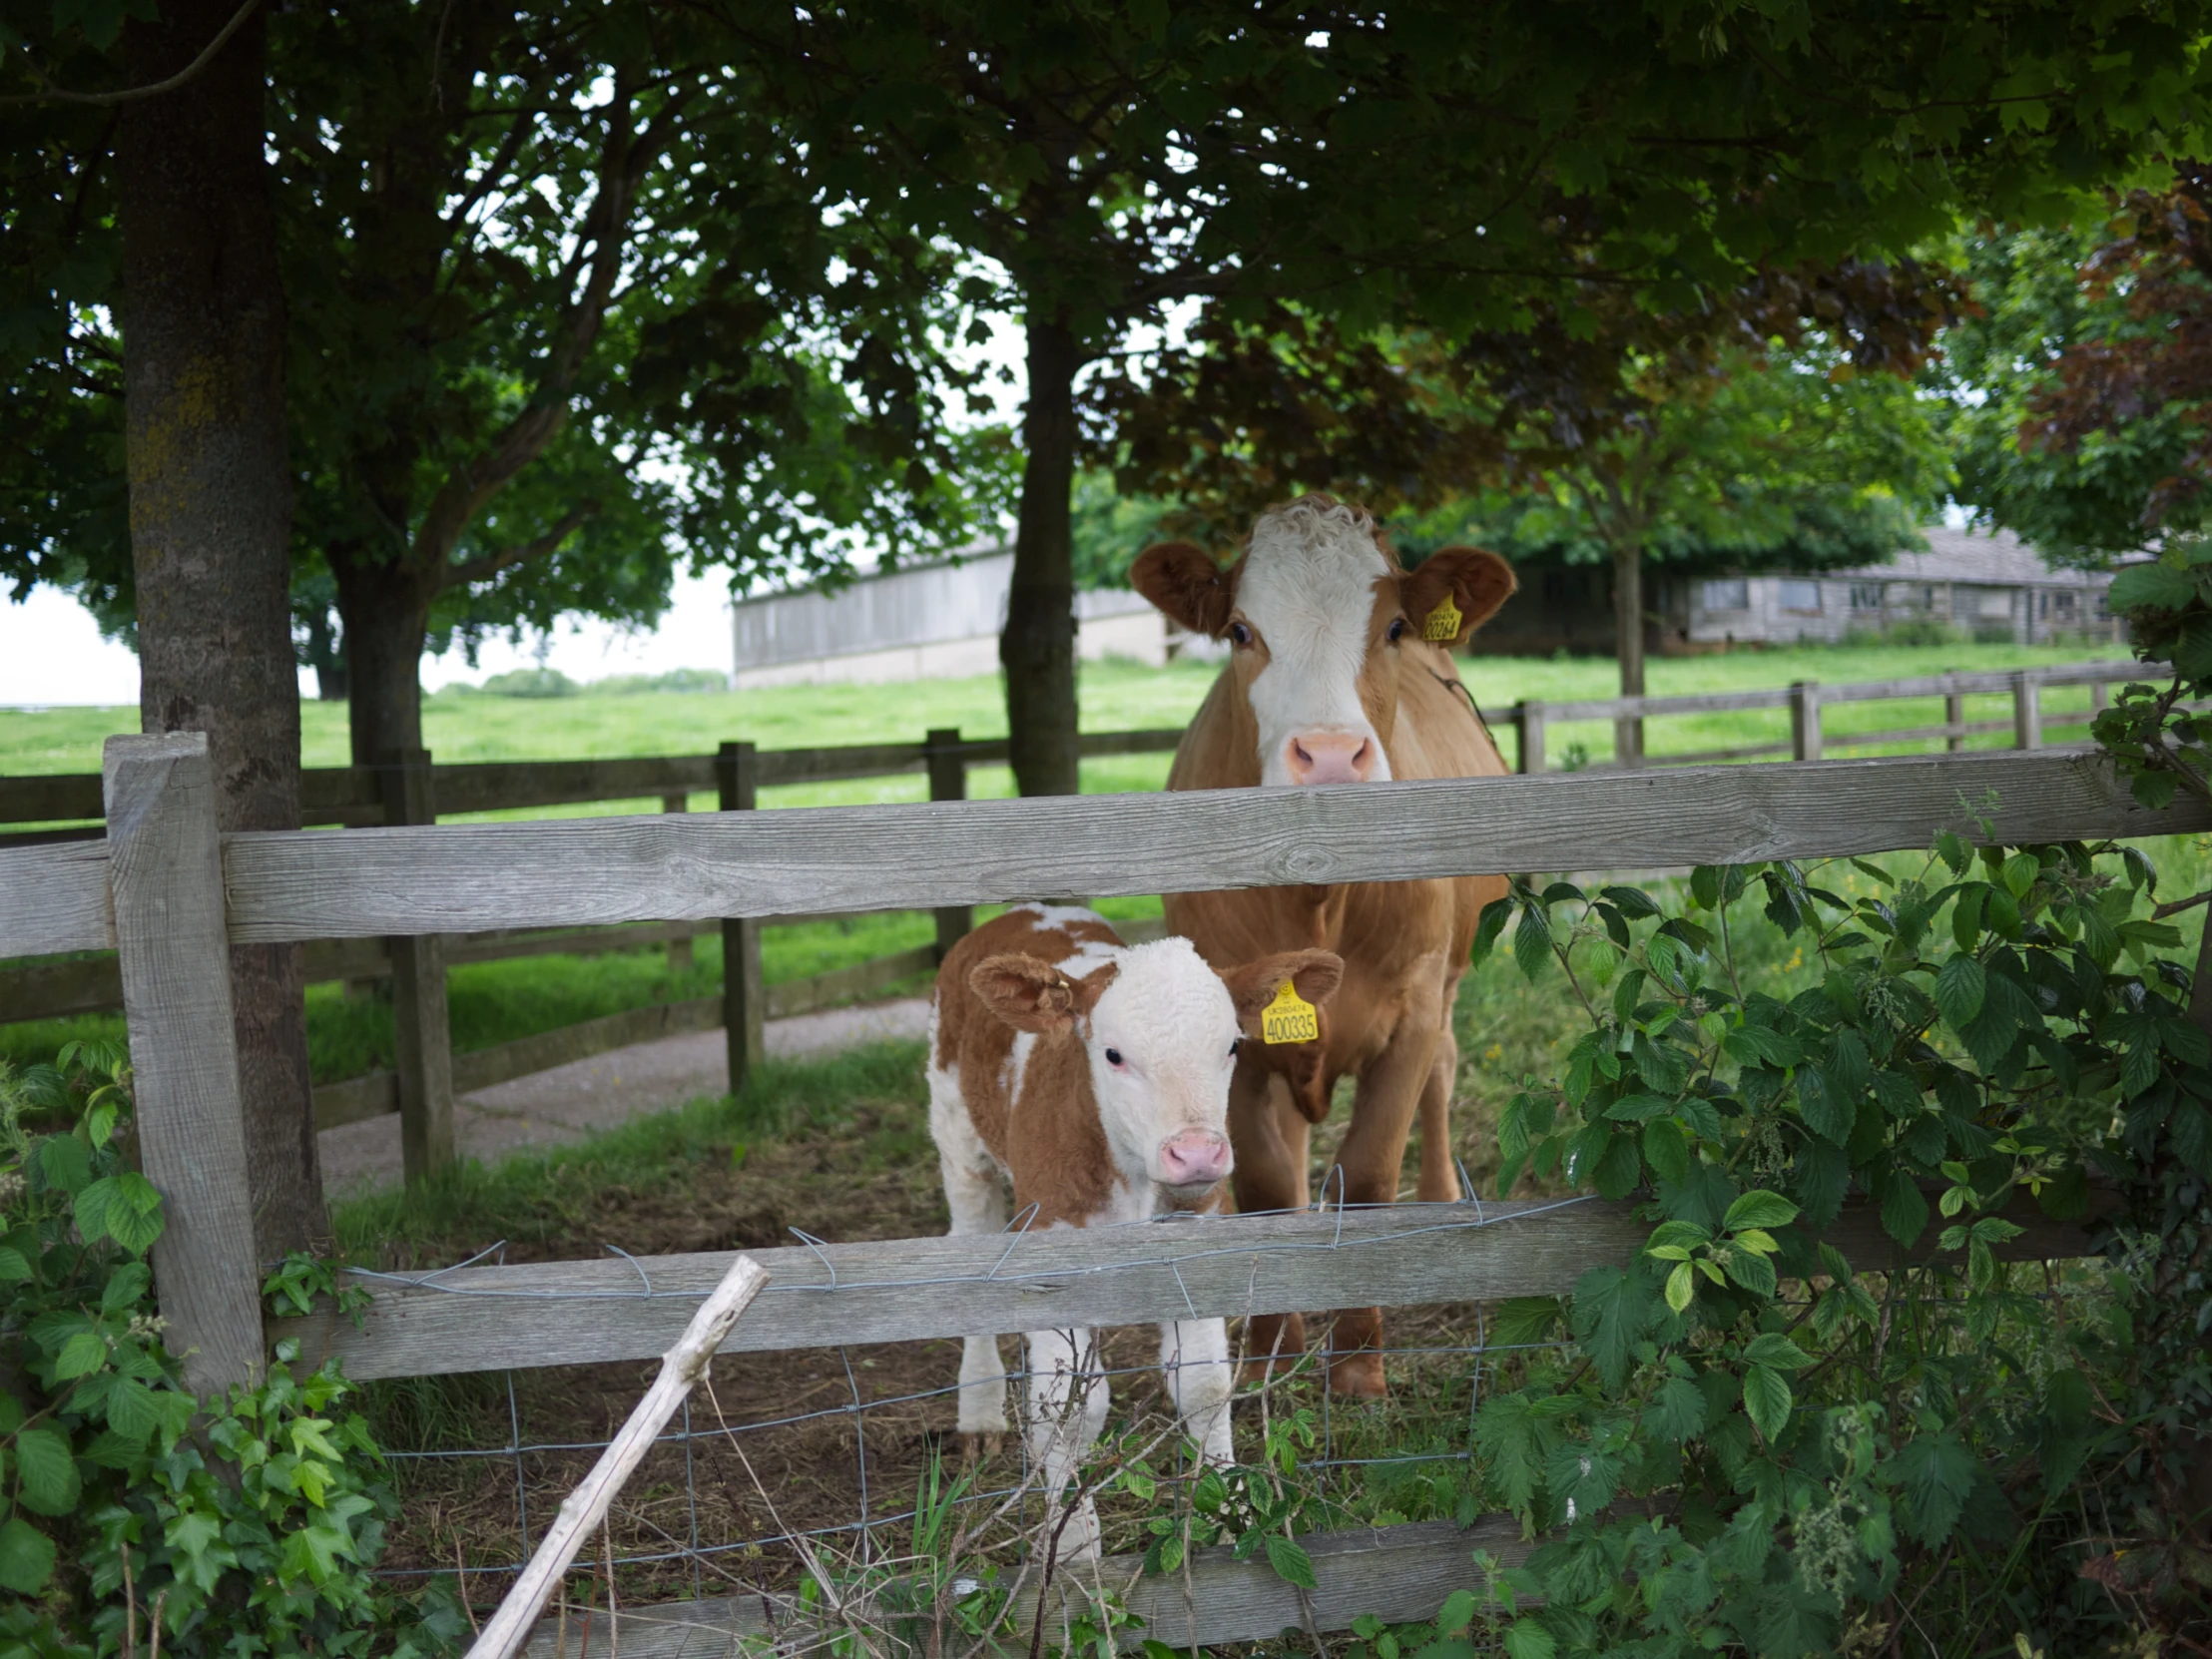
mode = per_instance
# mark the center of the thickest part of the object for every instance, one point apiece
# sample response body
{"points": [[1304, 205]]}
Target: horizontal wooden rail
{"points": [[913, 1290], [1994, 682], [1399, 1574]]}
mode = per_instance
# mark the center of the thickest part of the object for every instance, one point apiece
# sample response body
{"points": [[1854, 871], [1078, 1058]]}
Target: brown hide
{"points": [[1053, 1148]]}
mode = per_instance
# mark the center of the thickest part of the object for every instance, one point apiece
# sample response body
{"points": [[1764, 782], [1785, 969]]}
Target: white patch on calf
{"points": [[1308, 587], [1169, 1019]]}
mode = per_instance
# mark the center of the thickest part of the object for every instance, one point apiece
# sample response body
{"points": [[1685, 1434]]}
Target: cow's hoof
{"points": [[979, 1448], [1359, 1377]]}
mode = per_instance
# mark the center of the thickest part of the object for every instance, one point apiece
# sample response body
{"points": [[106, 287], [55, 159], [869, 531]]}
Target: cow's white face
{"points": [[1159, 1030], [1318, 616]]}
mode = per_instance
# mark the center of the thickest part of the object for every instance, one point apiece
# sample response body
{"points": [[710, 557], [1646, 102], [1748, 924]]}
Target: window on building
{"points": [[1729, 593], [1800, 594], [1866, 596], [2062, 603], [1993, 603]]}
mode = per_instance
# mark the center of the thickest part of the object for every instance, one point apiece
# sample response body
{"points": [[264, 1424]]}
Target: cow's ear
{"points": [[1474, 581], [1181, 578], [1033, 995], [1312, 974]]}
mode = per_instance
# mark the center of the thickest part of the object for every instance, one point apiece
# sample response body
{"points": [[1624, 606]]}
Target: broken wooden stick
{"points": [[586, 1507]]}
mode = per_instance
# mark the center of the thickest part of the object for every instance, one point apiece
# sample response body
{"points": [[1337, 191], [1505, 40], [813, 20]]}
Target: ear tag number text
{"points": [[1444, 622], [1290, 1018]]}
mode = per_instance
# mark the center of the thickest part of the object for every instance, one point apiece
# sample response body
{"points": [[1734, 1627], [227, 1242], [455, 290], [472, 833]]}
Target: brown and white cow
{"points": [[1340, 671], [1094, 1076]]}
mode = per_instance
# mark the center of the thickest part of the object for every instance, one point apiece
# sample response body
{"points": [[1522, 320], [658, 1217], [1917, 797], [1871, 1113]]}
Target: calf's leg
{"points": [[1066, 1409], [1194, 1354], [977, 1196], [1270, 1136]]}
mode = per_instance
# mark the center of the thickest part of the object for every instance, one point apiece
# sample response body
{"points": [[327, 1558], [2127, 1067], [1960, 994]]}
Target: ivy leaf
{"points": [[1759, 1208], [1959, 989], [45, 1471], [26, 1557], [1291, 1562], [1766, 1402]]}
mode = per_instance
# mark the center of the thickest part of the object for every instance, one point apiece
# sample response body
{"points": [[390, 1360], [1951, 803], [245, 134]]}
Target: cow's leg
{"points": [[975, 1193], [1439, 1175], [1066, 1409], [1194, 1356], [1271, 1138], [1372, 1158]]}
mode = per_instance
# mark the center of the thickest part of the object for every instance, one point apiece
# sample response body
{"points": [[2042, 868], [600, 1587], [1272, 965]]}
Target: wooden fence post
{"points": [[2100, 697], [2028, 710], [423, 1057], [1955, 716], [744, 991], [680, 958], [948, 782], [1804, 719], [1628, 740], [1529, 716], [165, 872]]}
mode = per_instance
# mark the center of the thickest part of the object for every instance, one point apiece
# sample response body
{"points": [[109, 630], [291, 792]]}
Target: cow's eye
{"points": [[1397, 629], [1236, 1047], [1113, 1057], [1239, 634]]}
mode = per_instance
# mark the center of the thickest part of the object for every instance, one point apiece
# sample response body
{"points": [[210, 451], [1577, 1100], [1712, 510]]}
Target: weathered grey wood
{"points": [[2027, 711], [1954, 717], [579, 872], [47, 990], [1804, 719], [1529, 716], [910, 1290], [55, 899], [1707, 756], [680, 955], [421, 1031], [744, 984], [948, 782], [1645, 708], [166, 873], [1400, 1574]]}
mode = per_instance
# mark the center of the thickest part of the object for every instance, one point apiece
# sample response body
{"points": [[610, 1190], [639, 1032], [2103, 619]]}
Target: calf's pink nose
{"points": [[1193, 1157], [1330, 758]]}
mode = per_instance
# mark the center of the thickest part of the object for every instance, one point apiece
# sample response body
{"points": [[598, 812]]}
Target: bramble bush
{"points": [[244, 1525]]}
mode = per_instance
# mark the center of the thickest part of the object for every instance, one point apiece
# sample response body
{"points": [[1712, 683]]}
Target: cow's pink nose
{"points": [[1330, 758], [1192, 1157]]}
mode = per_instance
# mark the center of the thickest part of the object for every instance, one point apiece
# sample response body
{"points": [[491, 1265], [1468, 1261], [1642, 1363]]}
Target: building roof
{"points": [[1995, 557]]}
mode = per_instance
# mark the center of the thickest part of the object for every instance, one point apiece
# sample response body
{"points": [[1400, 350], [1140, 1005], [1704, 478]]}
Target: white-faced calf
{"points": [[1094, 1078]]}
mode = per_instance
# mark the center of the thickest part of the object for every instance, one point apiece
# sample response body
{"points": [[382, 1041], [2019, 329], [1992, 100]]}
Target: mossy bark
{"points": [[1037, 649]]}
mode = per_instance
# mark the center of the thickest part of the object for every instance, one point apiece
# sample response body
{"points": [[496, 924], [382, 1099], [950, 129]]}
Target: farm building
{"points": [[1980, 583], [920, 621]]}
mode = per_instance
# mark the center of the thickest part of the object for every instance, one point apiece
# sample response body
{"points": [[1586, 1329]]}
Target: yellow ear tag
{"points": [[1444, 622], [1290, 1018]]}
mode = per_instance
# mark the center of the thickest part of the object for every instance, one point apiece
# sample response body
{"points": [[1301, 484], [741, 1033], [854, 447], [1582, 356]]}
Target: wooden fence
{"points": [[171, 895], [410, 790]]}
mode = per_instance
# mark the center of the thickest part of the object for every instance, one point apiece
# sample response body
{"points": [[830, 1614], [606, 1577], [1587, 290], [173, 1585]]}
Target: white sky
{"points": [[52, 652]]}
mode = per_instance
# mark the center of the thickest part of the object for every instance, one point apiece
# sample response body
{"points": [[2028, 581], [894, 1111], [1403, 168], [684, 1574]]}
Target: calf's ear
{"points": [[1182, 579], [1474, 580], [1312, 974], [1032, 995]]}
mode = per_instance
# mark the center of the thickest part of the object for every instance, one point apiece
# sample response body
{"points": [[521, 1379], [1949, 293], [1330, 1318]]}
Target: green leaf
{"points": [[2019, 873], [81, 1355], [1532, 941], [1820, 1177], [1748, 1044], [1676, 1411], [26, 1557], [133, 1411], [1965, 916], [1960, 985], [13, 1267], [1935, 1473], [1291, 1562], [1526, 1639], [1759, 1208], [1827, 1109], [1619, 1169], [45, 1471], [1681, 1287], [1608, 1314], [1904, 1209], [1496, 916], [1953, 852], [1766, 1402], [1705, 887], [63, 1163], [1666, 1152], [1755, 1272], [1773, 1348]]}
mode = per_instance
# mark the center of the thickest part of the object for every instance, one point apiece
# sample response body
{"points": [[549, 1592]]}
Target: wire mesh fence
{"points": [[793, 1473]]}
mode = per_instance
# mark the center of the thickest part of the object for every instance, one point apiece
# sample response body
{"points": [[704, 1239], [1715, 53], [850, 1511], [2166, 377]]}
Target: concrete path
{"points": [[569, 1102]]}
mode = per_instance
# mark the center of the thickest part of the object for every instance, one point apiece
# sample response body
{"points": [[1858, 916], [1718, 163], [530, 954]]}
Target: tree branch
{"points": [[49, 93], [491, 564]]}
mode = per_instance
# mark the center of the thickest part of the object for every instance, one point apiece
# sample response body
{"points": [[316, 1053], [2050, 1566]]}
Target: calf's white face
{"points": [[1317, 615], [1159, 1031]]}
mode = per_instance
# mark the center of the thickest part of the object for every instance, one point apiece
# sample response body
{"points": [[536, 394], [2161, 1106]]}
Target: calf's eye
{"points": [[1239, 634], [1396, 630], [1236, 1046], [1113, 1056]]}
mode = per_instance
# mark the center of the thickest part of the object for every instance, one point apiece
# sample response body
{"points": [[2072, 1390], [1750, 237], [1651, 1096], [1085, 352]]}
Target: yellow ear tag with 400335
{"points": [[1444, 622], [1290, 1018]]}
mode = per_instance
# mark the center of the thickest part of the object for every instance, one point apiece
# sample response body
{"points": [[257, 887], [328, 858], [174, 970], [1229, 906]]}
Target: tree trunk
{"points": [[385, 613], [1628, 646], [211, 517], [327, 655], [1037, 649]]}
